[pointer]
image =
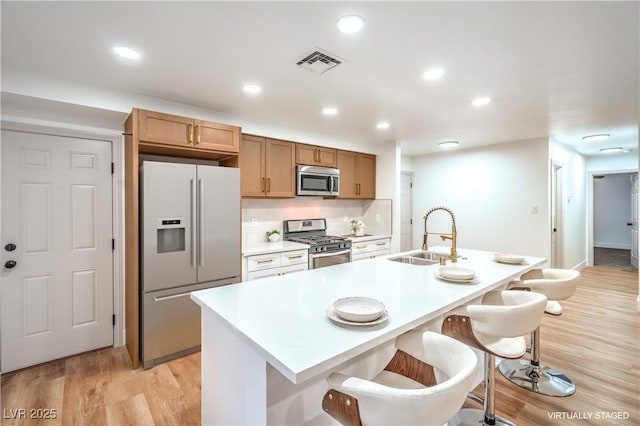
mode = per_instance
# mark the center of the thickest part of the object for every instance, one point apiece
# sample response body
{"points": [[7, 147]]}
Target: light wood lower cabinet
{"points": [[357, 175], [267, 167], [275, 264], [370, 249]]}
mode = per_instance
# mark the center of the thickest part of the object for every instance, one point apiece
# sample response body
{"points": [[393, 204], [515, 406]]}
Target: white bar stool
{"points": [[496, 326], [426, 382], [556, 284]]}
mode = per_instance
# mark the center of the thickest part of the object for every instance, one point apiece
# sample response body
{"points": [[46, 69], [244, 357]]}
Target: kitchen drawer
{"points": [[263, 261], [266, 273], [370, 249], [294, 257]]}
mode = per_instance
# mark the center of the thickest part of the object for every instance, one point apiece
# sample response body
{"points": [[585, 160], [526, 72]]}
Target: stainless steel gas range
{"points": [[324, 250]]}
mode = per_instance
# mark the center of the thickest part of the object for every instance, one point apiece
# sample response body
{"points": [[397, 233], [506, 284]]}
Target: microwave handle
{"points": [[333, 183]]}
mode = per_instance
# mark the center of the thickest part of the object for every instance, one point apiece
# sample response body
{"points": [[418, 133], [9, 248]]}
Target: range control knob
{"points": [[10, 264], [10, 247]]}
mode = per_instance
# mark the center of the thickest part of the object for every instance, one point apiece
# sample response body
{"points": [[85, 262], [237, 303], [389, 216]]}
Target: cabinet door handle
{"points": [[294, 257], [190, 134], [263, 261], [381, 244], [262, 186], [197, 135], [268, 184], [317, 151]]}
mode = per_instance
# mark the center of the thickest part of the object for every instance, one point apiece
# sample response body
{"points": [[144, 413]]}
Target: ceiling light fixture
{"points": [[330, 111], [350, 24], [481, 101], [433, 74], [611, 150], [382, 125], [448, 144], [593, 138], [252, 88], [126, 52]]}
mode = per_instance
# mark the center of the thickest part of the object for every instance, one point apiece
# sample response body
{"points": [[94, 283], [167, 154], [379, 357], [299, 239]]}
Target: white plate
{"points": [[335, 318], [453, 280], [512, 259], [358, 309], [456, 273]]}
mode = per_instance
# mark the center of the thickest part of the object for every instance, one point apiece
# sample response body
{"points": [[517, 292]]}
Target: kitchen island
{"points": [[268, 345]]}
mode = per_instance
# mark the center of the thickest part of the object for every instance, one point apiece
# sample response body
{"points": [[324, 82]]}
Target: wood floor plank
{"points": [[595, 342]]}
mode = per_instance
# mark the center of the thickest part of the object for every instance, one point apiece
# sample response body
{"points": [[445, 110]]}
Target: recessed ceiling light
{"points": [[592, 138], [126, 52], [252, 88], [330, 111], [350, 24], [382, 125], [448, 144], [481, 101], [433, 74], [611, 150]]}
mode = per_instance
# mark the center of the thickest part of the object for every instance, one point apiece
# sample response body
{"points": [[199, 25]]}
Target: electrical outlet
{"points": [[377, 218], [534, 209], [254, 222], [345, 219]]}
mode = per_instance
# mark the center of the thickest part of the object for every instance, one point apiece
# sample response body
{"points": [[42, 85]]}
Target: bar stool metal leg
{"points": [[534, 377], [486, 416]]}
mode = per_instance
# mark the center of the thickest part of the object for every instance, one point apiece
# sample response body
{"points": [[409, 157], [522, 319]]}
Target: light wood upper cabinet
{"points": [[315, 155], [183, 132], [357, 175], [267, 167]]}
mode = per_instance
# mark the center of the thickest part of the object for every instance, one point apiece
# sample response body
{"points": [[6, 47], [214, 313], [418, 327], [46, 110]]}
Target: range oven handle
{"points": [[335, 253]]}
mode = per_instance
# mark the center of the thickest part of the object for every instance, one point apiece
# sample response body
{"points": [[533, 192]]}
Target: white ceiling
{"points": [[553, 69]]}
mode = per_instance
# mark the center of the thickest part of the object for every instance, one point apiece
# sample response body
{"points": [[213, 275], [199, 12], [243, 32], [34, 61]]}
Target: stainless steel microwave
{"points": [[312, 180]]}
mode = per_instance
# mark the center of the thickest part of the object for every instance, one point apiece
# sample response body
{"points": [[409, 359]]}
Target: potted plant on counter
{"points": [[273, 235], [357, 227]]}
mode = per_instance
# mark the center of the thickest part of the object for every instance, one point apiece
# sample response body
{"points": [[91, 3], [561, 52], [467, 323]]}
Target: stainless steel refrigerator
{"points": [[190, 240]]}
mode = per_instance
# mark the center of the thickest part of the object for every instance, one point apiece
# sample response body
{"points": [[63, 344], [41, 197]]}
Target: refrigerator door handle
{"points": [[200, 245], [173, 296], [193, 223]]}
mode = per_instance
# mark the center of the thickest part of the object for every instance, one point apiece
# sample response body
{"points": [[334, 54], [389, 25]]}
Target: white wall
{"points": [[492, 191], [612, 162], [574, 231], [612, 211], [388, 185]]}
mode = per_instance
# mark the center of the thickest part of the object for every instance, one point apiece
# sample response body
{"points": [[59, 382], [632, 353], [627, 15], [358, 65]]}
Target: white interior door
{"points": [[406, 212], [57, 300], [634, 219]]}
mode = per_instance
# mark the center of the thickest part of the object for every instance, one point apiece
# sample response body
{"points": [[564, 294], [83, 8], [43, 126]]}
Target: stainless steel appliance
{"points": [[324, 250], [312, 180], [190, 240]]}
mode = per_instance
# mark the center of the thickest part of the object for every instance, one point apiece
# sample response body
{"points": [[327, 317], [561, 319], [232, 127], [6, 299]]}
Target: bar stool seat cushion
{"points": [[391, 398]]}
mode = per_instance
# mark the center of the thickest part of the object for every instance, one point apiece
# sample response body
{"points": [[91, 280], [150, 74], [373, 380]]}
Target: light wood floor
{"points": [[595, 342]]}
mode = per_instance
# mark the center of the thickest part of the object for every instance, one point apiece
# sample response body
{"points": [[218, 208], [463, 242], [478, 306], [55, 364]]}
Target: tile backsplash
{"points": [[262, 215]]}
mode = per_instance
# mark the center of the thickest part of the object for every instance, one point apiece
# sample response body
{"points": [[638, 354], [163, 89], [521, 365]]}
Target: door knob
{"points": [[10, 247], [10, 264]]}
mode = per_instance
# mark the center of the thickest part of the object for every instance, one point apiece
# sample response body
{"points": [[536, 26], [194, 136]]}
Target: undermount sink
{"points": [[422, 258]]}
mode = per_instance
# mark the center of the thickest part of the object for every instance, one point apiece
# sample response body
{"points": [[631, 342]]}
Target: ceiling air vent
{"points": [[319, 61]]}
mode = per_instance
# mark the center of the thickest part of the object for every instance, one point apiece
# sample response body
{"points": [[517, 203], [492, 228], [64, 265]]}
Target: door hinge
{"points": [[113, 168], [113, 244], [410, 221], [410, 184], [113, 319]]}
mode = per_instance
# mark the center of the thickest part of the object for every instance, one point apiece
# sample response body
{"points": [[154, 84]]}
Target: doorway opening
{"points": [[615, 220]]}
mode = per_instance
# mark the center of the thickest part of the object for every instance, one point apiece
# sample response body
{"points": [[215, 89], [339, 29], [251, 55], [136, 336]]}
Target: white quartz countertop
{"points": [[284, 319], [269, 247], [366, 237]]}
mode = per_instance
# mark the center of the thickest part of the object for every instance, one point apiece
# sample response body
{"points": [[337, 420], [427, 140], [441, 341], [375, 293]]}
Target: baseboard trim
{"points": [[580, 266], [613, 246]]}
